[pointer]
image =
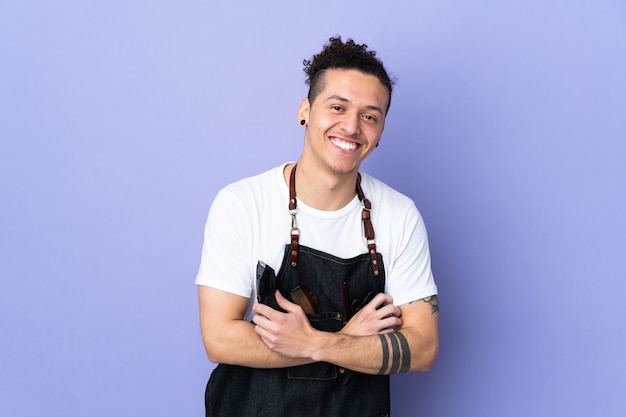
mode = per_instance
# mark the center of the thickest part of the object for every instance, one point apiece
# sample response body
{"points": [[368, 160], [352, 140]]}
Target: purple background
{"points": [[120, 120]]}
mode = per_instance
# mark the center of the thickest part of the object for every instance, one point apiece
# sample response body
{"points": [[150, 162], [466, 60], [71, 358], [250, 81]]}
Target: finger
{"points": [[262, 333], [263, 310], [390, 325], [286, 304], [379, 300], [260, 320], [389, 310], [268, 313], [388, 330]]}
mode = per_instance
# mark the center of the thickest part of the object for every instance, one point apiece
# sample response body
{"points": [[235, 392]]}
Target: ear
{"points": [[303, 110]]}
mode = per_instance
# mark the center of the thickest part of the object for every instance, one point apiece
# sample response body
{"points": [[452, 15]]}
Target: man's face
{"points": [[345, 121]]}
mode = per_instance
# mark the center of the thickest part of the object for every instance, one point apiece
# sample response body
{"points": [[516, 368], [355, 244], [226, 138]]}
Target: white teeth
{"points": [[346, 146]]}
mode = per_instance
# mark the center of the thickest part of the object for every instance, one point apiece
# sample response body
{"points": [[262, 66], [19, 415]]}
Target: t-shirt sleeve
{"points": [[226, 244], [411, 277]]}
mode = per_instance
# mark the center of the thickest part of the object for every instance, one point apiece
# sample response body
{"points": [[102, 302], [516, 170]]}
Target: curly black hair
{"points": [[348, 55]]}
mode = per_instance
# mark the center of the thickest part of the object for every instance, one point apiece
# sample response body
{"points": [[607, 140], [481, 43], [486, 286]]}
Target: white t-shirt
{"points": [[250, 221]]}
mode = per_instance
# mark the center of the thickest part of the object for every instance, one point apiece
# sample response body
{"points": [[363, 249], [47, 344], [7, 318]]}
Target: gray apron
{"points": [[340, 287]]}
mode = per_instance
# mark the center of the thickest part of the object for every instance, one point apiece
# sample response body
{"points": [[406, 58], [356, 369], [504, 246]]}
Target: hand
{"points": [[371, 319], [286, 333]]}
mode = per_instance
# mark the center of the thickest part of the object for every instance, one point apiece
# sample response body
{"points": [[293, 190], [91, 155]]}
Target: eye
{"points": [[369, 117], [337, 107]]}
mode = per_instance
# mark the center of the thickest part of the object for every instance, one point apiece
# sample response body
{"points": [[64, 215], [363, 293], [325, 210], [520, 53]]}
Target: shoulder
{"points": [[256, 189], [265, 179], [385, 197], [394, 214]]}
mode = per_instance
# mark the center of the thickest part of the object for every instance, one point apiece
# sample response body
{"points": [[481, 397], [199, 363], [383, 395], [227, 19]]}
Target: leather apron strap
{"points": [[368, 228]]}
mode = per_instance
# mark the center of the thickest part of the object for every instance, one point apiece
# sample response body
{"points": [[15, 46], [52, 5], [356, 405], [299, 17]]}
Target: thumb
{"points": [[284, 303]]}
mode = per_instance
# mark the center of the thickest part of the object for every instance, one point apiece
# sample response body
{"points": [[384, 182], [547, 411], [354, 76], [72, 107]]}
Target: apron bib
{"points": [[340, 287]]}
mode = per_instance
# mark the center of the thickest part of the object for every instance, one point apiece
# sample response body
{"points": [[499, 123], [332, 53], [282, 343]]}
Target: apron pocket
{"points": [[326, 322]]}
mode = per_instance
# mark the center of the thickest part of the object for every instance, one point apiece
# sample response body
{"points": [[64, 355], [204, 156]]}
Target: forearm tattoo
{"points": [[396, 351], [433, 301], [396, 354]]}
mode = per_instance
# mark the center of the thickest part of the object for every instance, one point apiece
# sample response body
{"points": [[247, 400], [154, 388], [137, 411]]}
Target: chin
{"points": [[344, 169]]}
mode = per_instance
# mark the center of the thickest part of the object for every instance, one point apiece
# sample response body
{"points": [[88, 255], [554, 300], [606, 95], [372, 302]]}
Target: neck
{"points": [[322, 190]]}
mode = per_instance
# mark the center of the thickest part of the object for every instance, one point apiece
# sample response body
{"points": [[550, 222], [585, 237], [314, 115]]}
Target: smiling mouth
{"points": [[344, 145]]}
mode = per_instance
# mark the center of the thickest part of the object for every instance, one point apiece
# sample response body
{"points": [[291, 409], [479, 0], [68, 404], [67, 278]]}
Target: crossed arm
{"points": [[368, 343]]}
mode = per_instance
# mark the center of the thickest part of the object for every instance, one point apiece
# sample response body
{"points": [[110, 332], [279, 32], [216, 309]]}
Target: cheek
{"points": [[325, 121], [373, 133]]}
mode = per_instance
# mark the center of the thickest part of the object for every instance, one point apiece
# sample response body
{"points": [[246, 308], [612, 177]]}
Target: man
{"points": [[352, 306]]}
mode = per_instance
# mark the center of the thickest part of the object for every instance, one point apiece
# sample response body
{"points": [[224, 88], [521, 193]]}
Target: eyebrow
{"points": [[343, 99]]}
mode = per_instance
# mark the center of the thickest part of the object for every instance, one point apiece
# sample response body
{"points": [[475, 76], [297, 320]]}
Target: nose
{"points": [[350, 125]]}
